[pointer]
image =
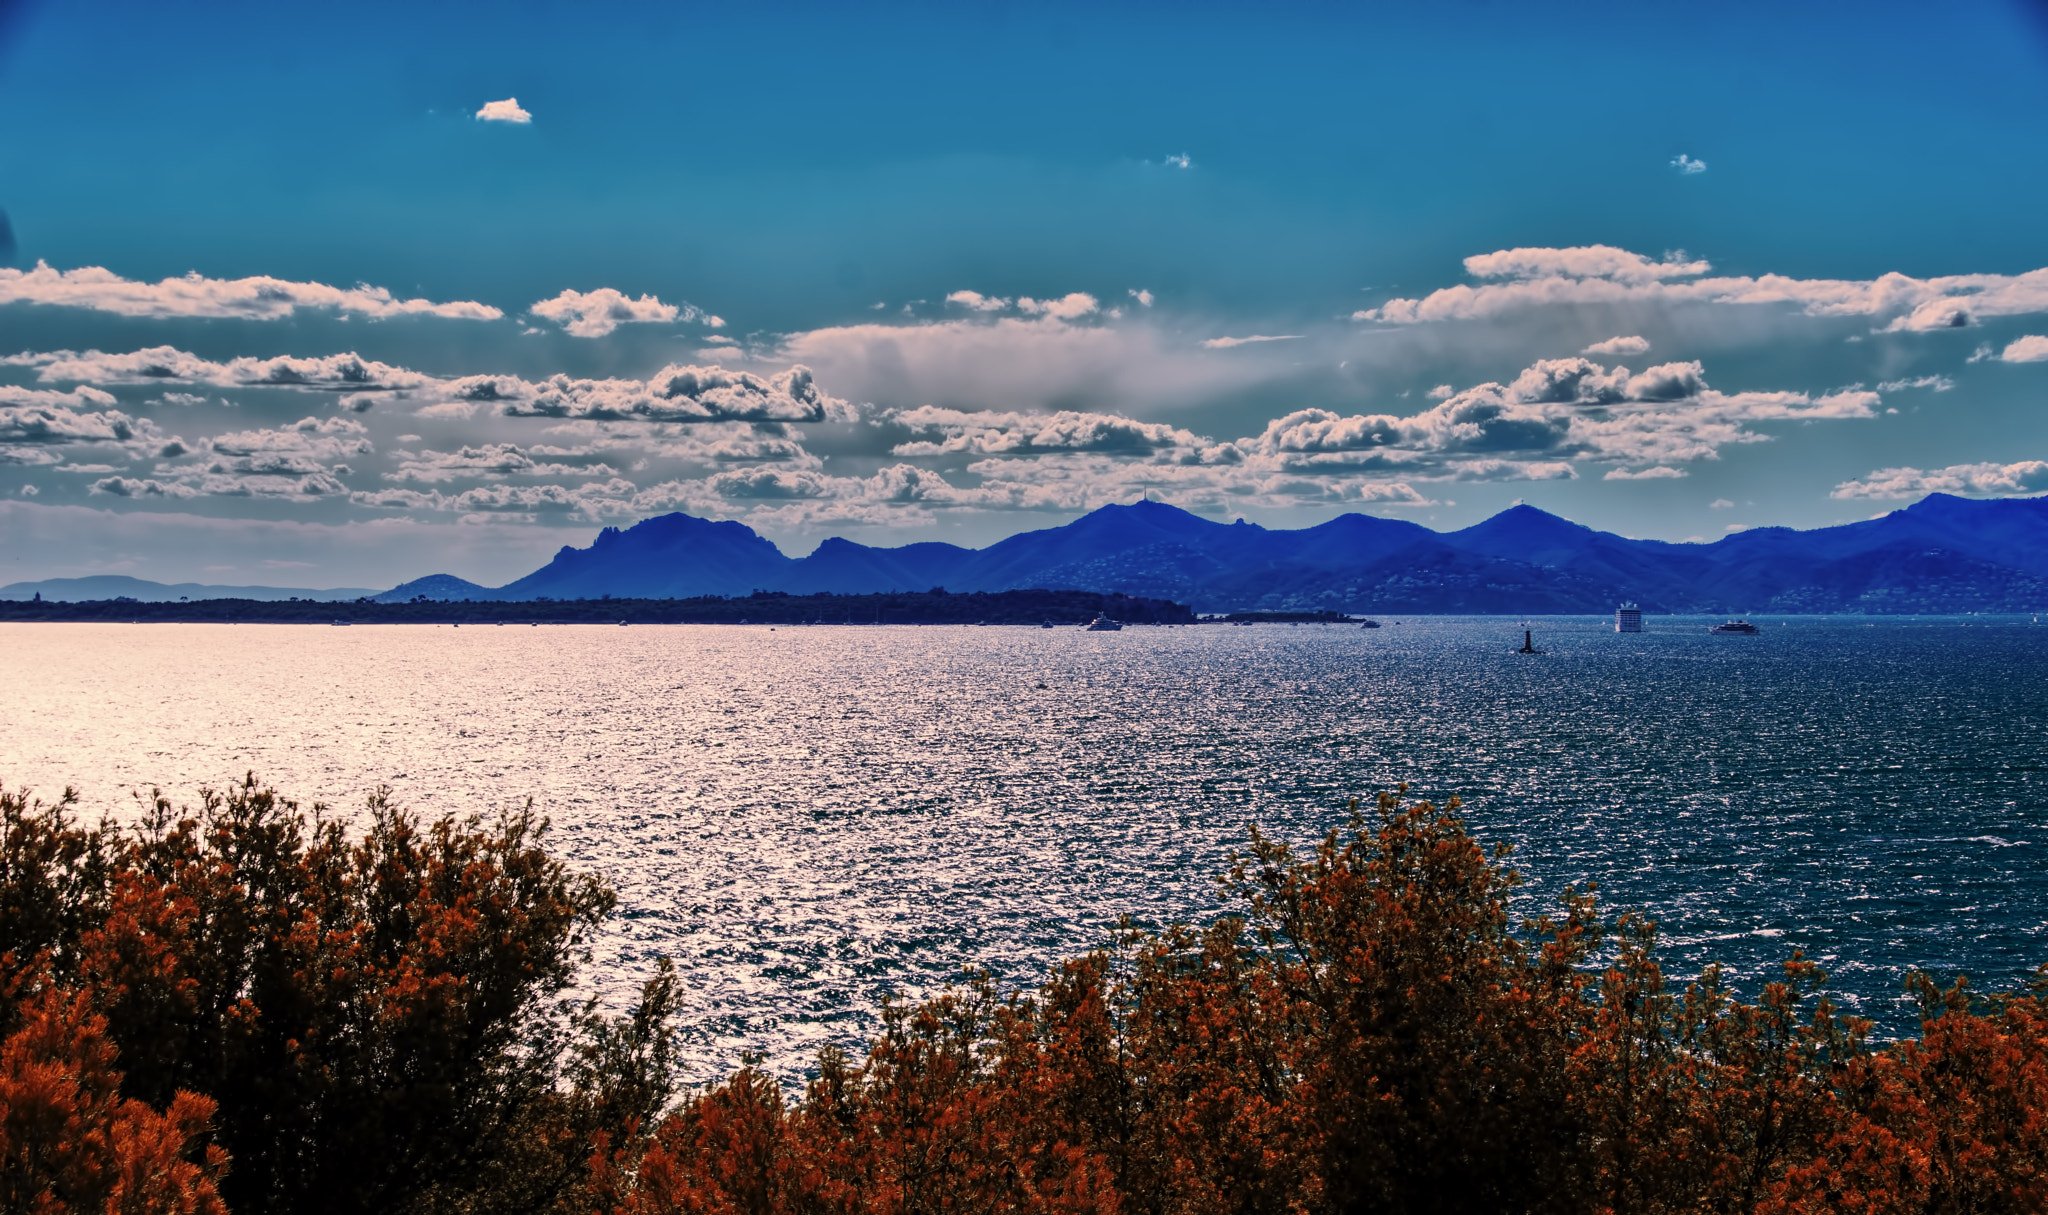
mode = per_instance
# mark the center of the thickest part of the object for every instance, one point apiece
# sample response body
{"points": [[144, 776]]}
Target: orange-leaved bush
{"points": [[1374, 1032], [250, 1007], [374, 1014]]}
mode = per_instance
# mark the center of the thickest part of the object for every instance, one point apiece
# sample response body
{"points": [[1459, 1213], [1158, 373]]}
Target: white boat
{"points": [[1103, 624]]}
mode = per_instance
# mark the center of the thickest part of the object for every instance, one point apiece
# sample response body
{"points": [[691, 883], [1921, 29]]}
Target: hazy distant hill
{"points": [[1943, 554], [120, 586]]}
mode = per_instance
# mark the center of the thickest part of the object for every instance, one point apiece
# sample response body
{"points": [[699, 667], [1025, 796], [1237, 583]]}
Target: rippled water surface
{"points": [[808, 817]]}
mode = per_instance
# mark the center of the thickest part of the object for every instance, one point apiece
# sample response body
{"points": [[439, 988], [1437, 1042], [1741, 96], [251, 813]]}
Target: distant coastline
{"points": [[1028, 607]]}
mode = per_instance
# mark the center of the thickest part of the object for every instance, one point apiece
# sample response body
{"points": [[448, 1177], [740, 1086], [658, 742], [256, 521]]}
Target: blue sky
{"points": [[1668, 270]]}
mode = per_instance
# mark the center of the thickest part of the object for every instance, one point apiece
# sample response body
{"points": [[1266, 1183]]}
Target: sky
{"points": [[346, 296]]}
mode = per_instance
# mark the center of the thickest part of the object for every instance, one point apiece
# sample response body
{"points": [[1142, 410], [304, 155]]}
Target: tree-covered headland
{"points": [[245, 1006]]}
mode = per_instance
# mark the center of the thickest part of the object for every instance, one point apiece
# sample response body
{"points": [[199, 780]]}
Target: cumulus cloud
{"points": [[2021, 477], [259, 298], [132, 487], [1142, 295], [954, 430], [1521, 279], [497, 460], [507, 110], [34, 422], [977, 302], [1687, 165], [1070, 307], [2033, 348], [594, 314], [676, 393], [166, 364], [598, 500], [1225, 343], [1619, 347], [1557, 409], [300, 463], [1656, 472]]}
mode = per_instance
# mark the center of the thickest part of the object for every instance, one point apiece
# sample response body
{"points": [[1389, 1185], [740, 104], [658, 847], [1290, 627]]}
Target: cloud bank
{"points": [[260, 298], [1521, 279]]}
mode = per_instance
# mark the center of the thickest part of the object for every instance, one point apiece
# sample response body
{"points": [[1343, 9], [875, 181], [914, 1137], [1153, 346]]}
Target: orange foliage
{"points": [[1375, 1034], [70, 1142], [373, 1022]]}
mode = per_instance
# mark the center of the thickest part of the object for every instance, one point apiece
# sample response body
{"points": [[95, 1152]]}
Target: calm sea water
{"points": [[806, 818]]}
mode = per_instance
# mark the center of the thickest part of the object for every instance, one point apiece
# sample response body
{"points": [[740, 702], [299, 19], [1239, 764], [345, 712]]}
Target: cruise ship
{"points": [[1628, 618]]}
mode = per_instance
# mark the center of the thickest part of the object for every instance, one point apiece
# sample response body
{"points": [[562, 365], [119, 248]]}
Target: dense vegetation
{"points": [[935, 606], [247, 1007]]}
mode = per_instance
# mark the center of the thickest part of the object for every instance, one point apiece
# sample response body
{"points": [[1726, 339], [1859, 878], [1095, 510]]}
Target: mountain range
{"points": [[121, 586], [1942, 554]]}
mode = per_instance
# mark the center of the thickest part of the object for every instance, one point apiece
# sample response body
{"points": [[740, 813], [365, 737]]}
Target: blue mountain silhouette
{"points": [[1942, 554]]}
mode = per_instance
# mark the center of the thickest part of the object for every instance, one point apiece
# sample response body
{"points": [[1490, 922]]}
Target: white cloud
{"points": [[1557, 408], [1688, 166], [984, 433], [977, 302], [1181, 161], [1070, 307], [131, 487], [2022, 477], [504, 111], [2033, 348], [1601, 274], [497, 460], [596, 313], [1142, 295], [1720, 504], [676, 393], [259, 298], [166, 364], [33, 422], [1619, 347], [1225, 343], [1658, 472], [1939, 383]]}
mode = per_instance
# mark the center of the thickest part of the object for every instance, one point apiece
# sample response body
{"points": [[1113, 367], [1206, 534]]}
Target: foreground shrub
{"points": [[250, 1007], [1375, 1034], [374, 1017]]}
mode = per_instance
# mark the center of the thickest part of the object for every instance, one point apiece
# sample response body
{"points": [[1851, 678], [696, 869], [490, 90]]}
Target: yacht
{"points": [[1370, 624], [1736, 628], [1103, 624]]}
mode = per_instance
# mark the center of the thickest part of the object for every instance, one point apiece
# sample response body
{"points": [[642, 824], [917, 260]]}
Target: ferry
{"points": [[1735, 628]]}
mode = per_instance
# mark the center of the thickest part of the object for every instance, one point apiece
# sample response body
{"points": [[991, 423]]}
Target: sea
{"points": [[809, 820]]}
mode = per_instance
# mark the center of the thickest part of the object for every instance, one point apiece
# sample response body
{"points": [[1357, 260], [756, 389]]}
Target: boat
{"points": [[1735, 628], [1370, 624], [342, 624], [1046, 625], [1103, 624]]}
